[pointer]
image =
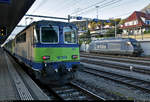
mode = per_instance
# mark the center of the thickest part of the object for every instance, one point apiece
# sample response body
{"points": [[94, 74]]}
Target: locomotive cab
{"points": [[56, 50], [120, 46], [136, 47]]}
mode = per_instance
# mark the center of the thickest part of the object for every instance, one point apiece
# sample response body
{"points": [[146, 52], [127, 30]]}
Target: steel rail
{"points": [[133, 82], [140, 62], [70, 91], [73, 91], [87, 91], [117, 56], [117, 66]]}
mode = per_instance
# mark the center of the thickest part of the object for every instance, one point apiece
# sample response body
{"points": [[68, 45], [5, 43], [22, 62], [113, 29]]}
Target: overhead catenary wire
{"points": [[91, 10], [76, 7], [102, 6], [77, 2], [123, 3], [63, 5], [90, 6], [127, 13], [121, 15]]}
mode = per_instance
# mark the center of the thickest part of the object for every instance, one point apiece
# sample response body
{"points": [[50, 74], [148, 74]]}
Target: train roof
{"points": [[54, 23], [47, 23], [115, 39]]}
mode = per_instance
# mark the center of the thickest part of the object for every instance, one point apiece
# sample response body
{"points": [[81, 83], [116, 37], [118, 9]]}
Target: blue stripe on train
{"points": [[39, 66]]}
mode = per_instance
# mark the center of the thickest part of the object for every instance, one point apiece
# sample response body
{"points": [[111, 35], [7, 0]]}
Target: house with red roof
{"points": [[136, 23]]}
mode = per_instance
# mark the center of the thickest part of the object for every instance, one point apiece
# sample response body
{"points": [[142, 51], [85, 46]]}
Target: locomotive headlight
{"points": [[129, 43], [69, 69], [56, 70], [46, 57], [74, 56]]}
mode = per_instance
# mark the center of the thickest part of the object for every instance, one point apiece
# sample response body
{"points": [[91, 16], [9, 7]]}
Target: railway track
{"points": [[126, 60], [71, 91], [130, 81], [117, 56], [117, 65]]}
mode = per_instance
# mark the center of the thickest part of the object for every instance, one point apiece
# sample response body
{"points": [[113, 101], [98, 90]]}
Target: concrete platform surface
{"points": [[15, 84]]}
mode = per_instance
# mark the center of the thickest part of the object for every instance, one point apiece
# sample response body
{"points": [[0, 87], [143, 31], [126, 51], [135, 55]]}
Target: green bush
{"points": [[119, 31], [147, 32], [80, 42], [88, 41], [110, 33]]}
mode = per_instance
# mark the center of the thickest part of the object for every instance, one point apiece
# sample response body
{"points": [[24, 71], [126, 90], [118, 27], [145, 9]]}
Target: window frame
{"points": [[41, 35], [75, 35]]}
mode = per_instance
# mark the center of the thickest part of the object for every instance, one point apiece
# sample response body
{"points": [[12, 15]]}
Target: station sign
{"points": [[5, 1], [108, 21], [79, 18], [95, 20]]}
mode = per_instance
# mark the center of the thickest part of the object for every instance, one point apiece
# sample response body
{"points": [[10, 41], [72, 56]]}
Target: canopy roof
{"points": [[11, 12]]}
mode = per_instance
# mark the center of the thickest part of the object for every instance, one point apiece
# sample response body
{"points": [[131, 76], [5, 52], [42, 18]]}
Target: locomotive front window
{"points": [[70, 35], [136, 43], [49, 34]]}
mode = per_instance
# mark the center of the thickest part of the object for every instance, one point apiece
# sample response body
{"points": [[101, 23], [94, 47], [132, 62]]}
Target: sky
{"points": [[107, 8], [85, 8]]}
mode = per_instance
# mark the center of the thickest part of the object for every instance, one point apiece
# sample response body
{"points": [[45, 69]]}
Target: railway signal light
{"points": [[108, 21], [3, 31]]}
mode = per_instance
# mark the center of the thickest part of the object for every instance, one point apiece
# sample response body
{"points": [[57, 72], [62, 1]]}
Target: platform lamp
{"points": [[3, 31]]}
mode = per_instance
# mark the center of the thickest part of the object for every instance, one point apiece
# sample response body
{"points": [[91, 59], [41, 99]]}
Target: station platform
{"points": [[15, 84]]}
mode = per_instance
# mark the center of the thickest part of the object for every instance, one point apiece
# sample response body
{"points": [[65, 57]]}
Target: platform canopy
{"points": [[11, 12]]}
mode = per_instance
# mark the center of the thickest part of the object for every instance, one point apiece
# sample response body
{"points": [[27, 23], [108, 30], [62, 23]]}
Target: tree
{"points": [[99, 24], [87, 34], [117, 20], [92, 25], [86, 37], [122, 21], [110, 33], [84, 28]]}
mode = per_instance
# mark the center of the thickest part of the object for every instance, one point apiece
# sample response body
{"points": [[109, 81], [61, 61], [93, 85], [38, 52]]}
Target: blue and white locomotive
{"points": [[119, 46]]}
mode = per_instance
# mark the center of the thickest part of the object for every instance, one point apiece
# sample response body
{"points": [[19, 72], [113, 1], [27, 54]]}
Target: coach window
{"points": [[23, 38], [49, 34], [70, 35]]}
